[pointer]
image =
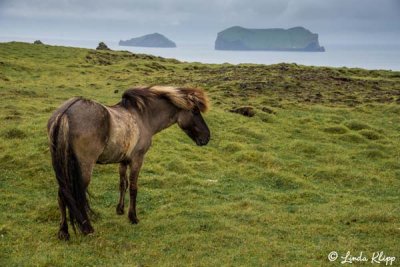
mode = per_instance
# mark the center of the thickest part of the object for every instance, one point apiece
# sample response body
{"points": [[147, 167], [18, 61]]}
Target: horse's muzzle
{"points": [[202, 141]]}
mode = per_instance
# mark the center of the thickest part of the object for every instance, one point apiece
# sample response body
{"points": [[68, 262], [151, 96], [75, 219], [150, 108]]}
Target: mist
{"points": [[336, 21]]}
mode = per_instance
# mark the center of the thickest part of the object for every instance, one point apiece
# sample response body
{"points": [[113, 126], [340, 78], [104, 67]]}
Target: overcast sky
{"points": [[336, 21]]}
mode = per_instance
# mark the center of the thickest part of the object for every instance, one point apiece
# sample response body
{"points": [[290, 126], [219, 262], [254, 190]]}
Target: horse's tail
{"points": [[68, 173]]}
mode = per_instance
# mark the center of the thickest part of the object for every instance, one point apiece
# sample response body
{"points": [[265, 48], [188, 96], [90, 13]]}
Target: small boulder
{"points": [[102, 46], [245, 111]]}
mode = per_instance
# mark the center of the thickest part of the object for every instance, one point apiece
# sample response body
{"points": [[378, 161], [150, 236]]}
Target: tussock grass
{"points": [[315, 170], [356, 125], [335, 129], [370, 134], [14, 133]]}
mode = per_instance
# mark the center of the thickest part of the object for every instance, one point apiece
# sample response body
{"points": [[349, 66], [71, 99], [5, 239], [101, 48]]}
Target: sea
{"points": [[366, 56]]}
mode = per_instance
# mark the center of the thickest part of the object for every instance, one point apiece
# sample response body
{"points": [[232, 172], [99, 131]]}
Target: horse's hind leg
{"points": [[123, 185], [63, 232], [87, 168]]}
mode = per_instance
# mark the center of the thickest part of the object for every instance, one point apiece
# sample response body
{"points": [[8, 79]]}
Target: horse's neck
{"points": [[159, 116]]}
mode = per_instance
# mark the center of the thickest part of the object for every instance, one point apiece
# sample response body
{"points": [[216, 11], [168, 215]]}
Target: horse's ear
{"points": [[201, 102], [204, 105], [193, 101]]}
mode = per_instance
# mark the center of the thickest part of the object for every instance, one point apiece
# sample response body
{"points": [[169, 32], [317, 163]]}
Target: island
{"points": [[149, 40], [293, 39]]}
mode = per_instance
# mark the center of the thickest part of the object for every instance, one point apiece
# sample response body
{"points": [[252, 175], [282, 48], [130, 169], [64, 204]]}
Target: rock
{"points": [[245, 111], [38, 42], [102, 46], [293, 39], [149, 40]]}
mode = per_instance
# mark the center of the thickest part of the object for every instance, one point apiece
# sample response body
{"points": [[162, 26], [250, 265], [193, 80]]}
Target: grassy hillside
{"points": [[316, 169]]}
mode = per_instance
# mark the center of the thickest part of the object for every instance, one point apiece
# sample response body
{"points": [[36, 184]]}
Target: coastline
{"points": [[365, 56]]}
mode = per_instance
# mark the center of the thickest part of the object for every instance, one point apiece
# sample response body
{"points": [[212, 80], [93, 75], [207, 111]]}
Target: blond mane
{"points": [[181, 97]]}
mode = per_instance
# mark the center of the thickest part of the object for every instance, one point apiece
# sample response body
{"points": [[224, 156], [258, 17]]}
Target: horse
{"points": [[84, 132]]}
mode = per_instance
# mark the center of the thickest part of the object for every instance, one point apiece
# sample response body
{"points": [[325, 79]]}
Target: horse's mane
{"points": [[184, 98]]}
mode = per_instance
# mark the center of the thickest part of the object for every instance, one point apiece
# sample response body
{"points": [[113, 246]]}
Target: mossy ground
{"points": [[316, 169]]}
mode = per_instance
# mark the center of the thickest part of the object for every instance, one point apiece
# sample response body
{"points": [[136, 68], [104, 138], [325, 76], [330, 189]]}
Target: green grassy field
{"points": [[317, 169]]}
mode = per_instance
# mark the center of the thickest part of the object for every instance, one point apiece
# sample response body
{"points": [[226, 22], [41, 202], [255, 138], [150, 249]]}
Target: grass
{"points": [[316, 169]]}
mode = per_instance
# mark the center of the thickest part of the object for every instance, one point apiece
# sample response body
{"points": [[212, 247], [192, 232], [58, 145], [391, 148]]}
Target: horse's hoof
{"points": [[87, 229], [133, 219], [62, 235], [120, 210]]}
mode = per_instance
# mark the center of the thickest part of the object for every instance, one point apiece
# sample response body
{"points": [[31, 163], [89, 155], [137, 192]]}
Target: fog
{"points": [[189, 21]]}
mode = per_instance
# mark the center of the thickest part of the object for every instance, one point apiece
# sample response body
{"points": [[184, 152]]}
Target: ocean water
{"points": [[368, 57], [336, 55]]}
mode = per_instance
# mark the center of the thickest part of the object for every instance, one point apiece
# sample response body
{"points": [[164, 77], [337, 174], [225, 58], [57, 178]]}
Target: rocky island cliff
{"points": [[149, 40], [293, 39]]}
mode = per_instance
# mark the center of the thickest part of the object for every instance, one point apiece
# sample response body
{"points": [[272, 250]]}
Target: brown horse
{"points": [[83, 132]]}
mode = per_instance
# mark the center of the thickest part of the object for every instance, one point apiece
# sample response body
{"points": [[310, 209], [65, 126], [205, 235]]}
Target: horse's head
{"points": [[193, 124], [186, 104]]}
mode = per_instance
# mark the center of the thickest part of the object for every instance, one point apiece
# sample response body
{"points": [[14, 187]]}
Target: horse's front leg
{"points": [[123, 185], [136, 164]]}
